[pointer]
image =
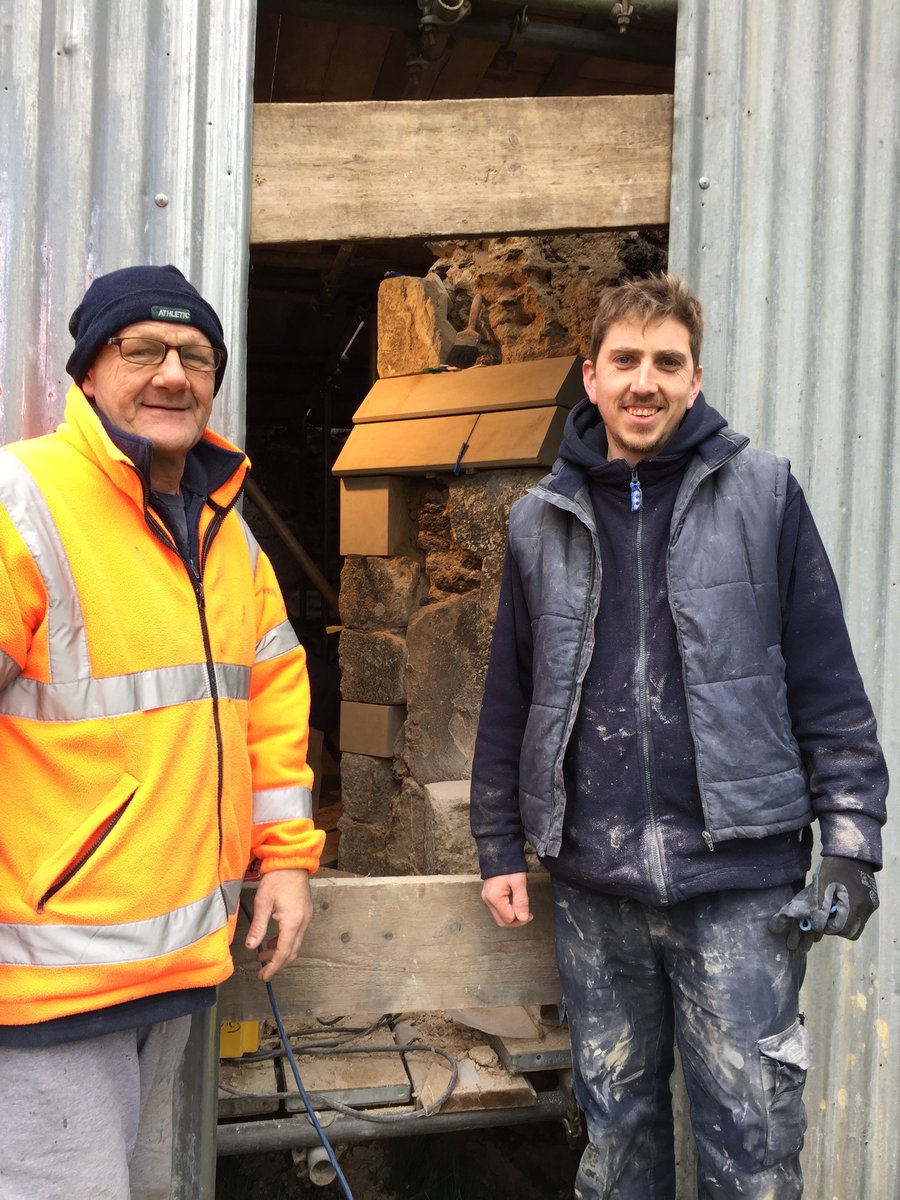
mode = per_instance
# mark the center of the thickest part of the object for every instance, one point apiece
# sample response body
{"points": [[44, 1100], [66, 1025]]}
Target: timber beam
{"points": [[459, 168], [413, 943]]}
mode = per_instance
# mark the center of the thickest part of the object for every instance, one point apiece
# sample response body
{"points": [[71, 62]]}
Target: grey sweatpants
{"points": [[91, 1120]]}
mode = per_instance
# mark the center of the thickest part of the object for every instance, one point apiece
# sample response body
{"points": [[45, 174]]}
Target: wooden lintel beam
{"points": [[459, 168], [404, 944]]}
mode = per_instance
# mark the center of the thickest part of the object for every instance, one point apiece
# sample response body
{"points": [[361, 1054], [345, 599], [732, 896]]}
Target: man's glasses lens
{"points": [[148, 352]]}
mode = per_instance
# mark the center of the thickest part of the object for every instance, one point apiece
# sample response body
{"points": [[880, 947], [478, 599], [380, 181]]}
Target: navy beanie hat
{"points": [[137, 294]]}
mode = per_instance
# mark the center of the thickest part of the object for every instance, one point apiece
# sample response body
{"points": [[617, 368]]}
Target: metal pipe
{"points": [[564, 39], [657, 10], [284, 1133], [319, 1166]]}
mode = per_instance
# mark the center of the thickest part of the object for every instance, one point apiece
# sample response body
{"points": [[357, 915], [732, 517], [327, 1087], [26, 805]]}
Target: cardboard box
{"points": [[375, 516], [371, 728]]}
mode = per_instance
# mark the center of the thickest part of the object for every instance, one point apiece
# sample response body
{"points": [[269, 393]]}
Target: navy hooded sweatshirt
{"points": [[634, 822]]}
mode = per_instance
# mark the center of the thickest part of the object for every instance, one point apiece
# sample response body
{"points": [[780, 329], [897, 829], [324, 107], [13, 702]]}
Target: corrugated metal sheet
{"points": [[124, 138], [785, 209]]}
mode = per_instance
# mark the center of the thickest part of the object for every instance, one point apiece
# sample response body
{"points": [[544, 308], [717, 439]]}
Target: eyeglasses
{"points": [[149, 352]]}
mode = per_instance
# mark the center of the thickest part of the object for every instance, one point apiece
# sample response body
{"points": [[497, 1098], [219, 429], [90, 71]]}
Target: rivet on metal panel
{"points": [[160, 199], [703, 181]]}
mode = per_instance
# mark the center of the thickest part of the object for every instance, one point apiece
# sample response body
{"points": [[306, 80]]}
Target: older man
{"points": [[153, 725]]}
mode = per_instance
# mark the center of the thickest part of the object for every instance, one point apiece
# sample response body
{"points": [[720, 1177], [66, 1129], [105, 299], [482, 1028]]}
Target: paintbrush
{"points": [[464, 350]]}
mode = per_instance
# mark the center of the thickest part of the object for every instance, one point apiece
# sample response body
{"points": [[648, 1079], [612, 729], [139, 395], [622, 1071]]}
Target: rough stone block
{"points": [[373, 667], [368, 789], [413, 329], [448, 647], [478, 507], [380, 593], [362, 847], [405, 853], [449, 845]]}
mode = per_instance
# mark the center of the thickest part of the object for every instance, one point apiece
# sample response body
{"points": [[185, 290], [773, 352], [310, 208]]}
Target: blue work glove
{"points": [[839, 900]]}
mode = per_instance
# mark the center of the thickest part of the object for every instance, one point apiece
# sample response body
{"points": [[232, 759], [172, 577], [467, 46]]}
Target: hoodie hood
{"points": [[584, 441]]}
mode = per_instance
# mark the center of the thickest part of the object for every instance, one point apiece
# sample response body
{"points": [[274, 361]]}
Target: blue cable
{"points": [[276, 1013]]}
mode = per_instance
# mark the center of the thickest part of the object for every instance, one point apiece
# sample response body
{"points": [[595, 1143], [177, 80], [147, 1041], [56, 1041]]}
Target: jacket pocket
{"points": [[784, 1060], [81, 845]]}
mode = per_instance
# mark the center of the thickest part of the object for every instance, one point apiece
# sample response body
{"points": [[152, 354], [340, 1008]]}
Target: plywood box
{"points": [[536, 384], [375, 517], [371, 728], [522, 437]]}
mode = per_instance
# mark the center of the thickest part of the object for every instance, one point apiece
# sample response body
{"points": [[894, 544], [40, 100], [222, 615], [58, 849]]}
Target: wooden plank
{"points": [[257, 1079], [353, 72], [477, 1087], [521, 438], [385, 447], [482, 1082], [357, 1079], [409, 943], [552, 1051], [451, 168], [460, 75], [529, 437], [536, 384]]}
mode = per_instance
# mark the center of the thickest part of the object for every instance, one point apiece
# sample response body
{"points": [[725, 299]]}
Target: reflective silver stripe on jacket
{"points": [[25, 503], [119, 695], [281, 804], [9, 668], [99, 945], [276, 642], [72, 693], [252, 544]]}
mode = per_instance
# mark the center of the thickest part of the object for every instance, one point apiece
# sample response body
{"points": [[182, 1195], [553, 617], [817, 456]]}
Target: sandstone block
{"points": [[405, 853], [448, 643], [413, 329], [373, 667], [449, 845], [368, 789], [362, 847], [478, 507], [380, 593]]}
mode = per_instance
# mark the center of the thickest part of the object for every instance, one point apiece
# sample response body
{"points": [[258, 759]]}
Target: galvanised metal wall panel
{"points": [[784, 216], [125, 131]]}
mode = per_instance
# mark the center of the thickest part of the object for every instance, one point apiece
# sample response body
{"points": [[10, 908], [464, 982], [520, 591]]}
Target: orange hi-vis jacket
{"points": [[153, 730]]}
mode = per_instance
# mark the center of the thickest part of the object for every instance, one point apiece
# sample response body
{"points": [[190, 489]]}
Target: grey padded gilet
{"points": [[722, 570]]}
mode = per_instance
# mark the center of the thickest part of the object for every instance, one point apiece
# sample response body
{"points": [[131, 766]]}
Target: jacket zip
{"points": [[196, 580], [657, 870], [85, 856]]}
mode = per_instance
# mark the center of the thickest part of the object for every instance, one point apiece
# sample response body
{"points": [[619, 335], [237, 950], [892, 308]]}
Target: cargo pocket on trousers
{"points": [[784, 1060]]}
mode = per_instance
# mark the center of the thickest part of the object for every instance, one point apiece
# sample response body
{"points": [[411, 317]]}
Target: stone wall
{"points": [[417, 629]]}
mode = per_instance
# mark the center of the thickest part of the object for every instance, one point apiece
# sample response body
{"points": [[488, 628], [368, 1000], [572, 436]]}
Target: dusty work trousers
{"points": [[708, 974], [91, 1120]]}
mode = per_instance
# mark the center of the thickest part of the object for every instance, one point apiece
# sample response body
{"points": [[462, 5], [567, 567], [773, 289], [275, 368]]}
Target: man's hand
{"points": [[507, 898], [839, 900], [283, 896]]}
